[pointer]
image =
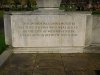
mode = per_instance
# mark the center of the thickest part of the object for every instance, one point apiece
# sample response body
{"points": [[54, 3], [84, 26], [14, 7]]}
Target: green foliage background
{"points": [[18, 5]]}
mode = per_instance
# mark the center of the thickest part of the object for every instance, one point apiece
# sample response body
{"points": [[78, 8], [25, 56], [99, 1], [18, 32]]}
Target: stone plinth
{"points": [[96, 30], [48, 3], [48, 30]]}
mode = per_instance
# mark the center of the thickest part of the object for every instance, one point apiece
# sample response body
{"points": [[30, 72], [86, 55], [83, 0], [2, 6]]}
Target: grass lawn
{"points": [[2, 42], [2, 38], [1, 14]]}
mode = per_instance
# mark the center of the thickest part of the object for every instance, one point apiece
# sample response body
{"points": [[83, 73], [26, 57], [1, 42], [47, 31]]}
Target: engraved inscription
{"points": [[48, 30]]}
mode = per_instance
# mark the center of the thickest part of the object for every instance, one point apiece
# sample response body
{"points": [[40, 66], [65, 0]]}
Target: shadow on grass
{"points": [[1, 21], [3, 46]]}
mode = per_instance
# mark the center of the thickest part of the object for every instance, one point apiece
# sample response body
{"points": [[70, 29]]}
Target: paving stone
{"points": [[26, 67], [11, 67], [94, 61], [74, 60], [76, 67], [20, 59], [49, 60], [74, 54], [49, 56], [49, 63], [95, 66], [48, 71], [26, 72], [80, 72], [73, 63], [10, 72]]}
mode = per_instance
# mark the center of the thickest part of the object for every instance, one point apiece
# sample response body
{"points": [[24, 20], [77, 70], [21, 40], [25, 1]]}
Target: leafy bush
{"points": [[18, 5], [96, 12], [70, 7], [62, 7]]}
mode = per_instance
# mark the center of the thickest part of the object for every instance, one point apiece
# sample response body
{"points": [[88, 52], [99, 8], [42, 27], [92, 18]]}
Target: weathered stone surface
{"points": [[48, 30], [48, 3], [49, 71], [74, 63], [7, 29], [49, 63], [21, 61], [49, 56], [80, 72], [96, 30], [68, 64]]}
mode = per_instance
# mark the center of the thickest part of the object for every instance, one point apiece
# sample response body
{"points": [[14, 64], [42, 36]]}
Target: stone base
{"points": [[56, 50]]}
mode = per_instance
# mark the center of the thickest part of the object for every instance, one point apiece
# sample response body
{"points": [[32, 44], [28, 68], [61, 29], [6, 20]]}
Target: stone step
{"points": [[48, 50], [56, 50]]}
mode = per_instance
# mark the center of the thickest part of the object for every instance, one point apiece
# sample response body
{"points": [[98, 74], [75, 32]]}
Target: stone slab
{"points": [[73, 64], [48, 30], [88, 40], [48, 3], [96, 30], [7, 29], [4, 56], [50, 50]]}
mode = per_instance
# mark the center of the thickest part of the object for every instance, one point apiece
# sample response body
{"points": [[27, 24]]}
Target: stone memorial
{"points": [[48, 30], [48, 27]]}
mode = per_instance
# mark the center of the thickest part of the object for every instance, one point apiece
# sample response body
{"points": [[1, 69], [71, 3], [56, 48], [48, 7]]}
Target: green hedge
{"points": [[1, 13]]}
